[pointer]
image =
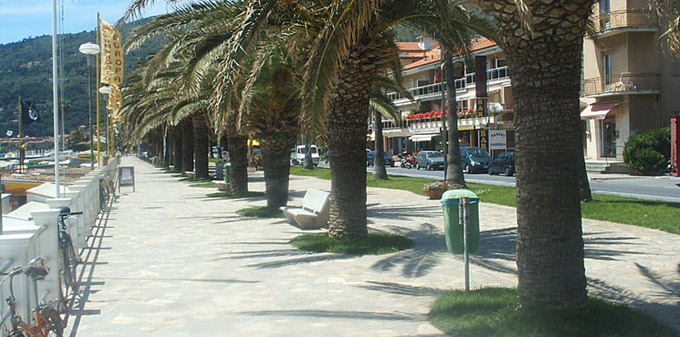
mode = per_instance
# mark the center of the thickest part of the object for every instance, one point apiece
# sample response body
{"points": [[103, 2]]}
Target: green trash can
{"points": [[227, 172], [453, 225]]}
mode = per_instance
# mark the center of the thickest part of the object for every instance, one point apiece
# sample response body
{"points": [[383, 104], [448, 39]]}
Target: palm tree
{"points": [[348, 56], [543, 42], [381, 105], [271, 107]]}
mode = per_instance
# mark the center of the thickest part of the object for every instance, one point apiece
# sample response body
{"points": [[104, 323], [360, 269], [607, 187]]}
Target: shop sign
{"points": [[466, 127], [484, 139], [481, 106], [497, 140]]}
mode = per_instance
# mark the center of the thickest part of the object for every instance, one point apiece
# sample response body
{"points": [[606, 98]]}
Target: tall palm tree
{"points": [[271, 107], [543, 43], [349, 54]]}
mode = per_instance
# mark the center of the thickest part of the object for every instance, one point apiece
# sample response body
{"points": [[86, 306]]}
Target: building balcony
{"points": [[623, 84], [626, 20], [434, 91], [430, 122]]}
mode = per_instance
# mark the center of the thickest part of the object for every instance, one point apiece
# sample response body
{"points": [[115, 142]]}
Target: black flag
{"points": [[29, 113]]}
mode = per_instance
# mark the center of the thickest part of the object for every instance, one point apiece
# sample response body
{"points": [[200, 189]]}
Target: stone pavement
{"points": [[168, 261]]}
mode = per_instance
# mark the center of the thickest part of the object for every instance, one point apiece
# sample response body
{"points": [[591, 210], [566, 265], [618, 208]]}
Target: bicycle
{"points": [[46, 319], [70, 259]]}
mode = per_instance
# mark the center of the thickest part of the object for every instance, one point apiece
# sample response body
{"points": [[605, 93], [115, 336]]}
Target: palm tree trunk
{"points": [[379, 170], [177, 146], [454, 169], [346, 126], [545, 68], [166, 149], [187, 145], [201, 143], [584, 183], [276, 166], [238, 156]]}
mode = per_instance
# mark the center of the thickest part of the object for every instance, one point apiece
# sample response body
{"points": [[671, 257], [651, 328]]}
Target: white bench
{"points": [[314, 213], [190, 174], [221, 185]]}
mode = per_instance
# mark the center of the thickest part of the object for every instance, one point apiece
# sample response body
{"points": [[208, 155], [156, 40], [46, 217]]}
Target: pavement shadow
{"points": [[402, 289], [358, 315], [428, 244], [668, 288]]}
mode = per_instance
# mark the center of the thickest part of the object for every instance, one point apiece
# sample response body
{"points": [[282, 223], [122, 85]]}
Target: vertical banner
{"points": [[480, 76], [115, 101], [480, 86], [484, 139], [112, 54]]}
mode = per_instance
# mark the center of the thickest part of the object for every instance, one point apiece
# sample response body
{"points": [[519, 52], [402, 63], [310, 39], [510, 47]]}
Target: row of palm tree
{"points": [[224, 60]]}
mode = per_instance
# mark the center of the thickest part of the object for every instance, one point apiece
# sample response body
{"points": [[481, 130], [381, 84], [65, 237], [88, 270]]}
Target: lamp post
{"points": [[106, 91], [90, 49]]}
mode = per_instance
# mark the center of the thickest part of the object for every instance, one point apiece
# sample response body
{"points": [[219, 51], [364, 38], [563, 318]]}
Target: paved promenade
{"points": [[169, 261]]}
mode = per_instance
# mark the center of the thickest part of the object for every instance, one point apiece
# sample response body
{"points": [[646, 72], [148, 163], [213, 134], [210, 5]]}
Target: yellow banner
{"points": [[115, 101], [112, 54]]}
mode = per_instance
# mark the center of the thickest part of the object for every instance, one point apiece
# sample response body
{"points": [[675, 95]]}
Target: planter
{"points": [[434, 194]]}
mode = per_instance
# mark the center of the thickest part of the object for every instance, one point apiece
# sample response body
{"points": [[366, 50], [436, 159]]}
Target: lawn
{"points": [[495, 312], [660, 215]]}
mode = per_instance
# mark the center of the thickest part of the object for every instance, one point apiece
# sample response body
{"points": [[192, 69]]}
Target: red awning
{"points": [[598, 110]]}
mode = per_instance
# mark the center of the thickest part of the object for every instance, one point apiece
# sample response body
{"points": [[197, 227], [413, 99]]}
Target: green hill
{"points": [[26, 71]]}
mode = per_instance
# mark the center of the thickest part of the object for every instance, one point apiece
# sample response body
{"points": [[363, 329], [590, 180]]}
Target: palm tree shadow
{"points": [[667, 287], [419, 259]]}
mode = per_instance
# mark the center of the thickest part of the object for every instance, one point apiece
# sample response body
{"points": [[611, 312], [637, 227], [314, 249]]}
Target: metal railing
{"points": [[494, 74], [632, 18], [623, 82]]}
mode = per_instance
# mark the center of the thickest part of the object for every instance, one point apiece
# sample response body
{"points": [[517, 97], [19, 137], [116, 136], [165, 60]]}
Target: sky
{"points": [[20, 19]]}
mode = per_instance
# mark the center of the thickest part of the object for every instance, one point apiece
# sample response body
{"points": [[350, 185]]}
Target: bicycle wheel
{"points": [[54, 325], [67, 273]]}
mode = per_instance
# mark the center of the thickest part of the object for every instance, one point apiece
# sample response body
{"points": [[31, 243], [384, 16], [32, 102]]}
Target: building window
{"points": [[607, 68], [605, 21]]}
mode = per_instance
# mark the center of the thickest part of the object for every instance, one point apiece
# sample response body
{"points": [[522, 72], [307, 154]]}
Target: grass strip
{"points": [[495, 312], [374, 244], [196, 179], [261, 212], [229, 195], [660, 215], [204, 185]]}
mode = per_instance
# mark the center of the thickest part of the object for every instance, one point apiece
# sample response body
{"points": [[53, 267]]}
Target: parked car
{"points": [[474, 159], [370, 158], [297, 155], [505, 162], [430, 160]]}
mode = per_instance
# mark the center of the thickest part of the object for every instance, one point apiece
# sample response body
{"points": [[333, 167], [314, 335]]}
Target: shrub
{"points": [[647, 152]]}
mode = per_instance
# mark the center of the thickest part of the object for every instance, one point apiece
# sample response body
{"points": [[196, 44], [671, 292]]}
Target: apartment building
{"points": [[630, 84], [422, 120]]}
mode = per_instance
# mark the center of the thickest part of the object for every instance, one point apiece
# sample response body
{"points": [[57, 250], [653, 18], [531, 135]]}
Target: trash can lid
{"points": [[228, 164], [457, 194]]}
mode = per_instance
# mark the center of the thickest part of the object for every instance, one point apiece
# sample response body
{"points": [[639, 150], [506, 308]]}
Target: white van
{"points": [[297, 155]]}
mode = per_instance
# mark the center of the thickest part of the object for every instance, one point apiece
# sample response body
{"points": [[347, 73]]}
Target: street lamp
{"points": [[106, 91], [90, 49]]}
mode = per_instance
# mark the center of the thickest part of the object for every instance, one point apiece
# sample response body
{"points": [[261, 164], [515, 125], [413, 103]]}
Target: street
{"points": [[662, 188]]}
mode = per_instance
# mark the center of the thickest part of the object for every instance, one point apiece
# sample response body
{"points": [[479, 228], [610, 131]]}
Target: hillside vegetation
{"points": [[26, 71]]}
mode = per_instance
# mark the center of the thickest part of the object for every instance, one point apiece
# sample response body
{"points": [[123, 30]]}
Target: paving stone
{"points": [[176, 263]]}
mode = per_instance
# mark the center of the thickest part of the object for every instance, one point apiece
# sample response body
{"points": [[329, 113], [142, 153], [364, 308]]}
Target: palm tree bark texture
{"points": [[187, 145], [454, 169], [177, 142], [545, 67], [237, 145], [201, 143], [379, 169], [347, 130]]}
